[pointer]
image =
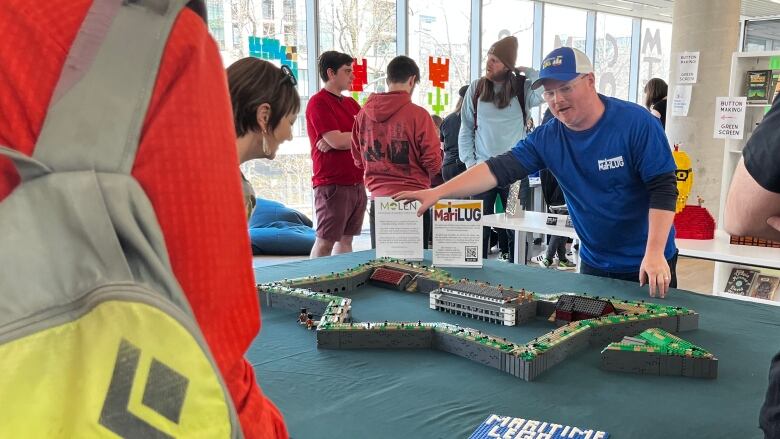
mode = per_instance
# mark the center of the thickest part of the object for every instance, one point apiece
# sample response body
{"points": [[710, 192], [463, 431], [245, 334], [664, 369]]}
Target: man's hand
{"points": [[427, 198], [656, 272], [323, 145]]}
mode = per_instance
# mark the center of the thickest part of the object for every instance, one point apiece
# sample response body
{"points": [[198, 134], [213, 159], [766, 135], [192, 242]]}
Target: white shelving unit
{"points": [[767, 260]]}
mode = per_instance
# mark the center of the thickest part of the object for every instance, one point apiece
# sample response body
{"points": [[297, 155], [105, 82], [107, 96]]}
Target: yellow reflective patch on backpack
{"points": [[124, 369]]}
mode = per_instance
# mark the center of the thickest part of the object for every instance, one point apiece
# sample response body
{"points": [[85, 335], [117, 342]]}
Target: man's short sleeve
{"points": [[762, 152], [528, 153], [321, 116], [650, 151]]}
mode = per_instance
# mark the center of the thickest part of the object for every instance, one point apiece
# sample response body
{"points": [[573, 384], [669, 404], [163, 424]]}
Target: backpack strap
{"points": [[475, 100], [99, 105], [518, 81], [28, 167]]}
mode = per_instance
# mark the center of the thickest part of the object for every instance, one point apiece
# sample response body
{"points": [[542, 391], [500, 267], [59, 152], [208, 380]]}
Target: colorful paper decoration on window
{"points": [[360, 79], [272, 49], [438, 73]]}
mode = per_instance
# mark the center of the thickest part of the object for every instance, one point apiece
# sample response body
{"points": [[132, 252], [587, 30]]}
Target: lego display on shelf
{"points": [[601, 321], [690, 222], [752, 241], [657, 352], [496, 426], [684, 174], [694, 222]]}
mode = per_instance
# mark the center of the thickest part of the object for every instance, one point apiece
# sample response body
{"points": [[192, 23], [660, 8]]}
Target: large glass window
{"points": [[440, 29], [613, 54], [364, 29], [762, 35], [563, 27], [274, 30], [501, 18], [654, 53]]}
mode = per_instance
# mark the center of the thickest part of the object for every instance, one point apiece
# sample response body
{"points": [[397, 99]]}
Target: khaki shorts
{"points": [[339, 210]]}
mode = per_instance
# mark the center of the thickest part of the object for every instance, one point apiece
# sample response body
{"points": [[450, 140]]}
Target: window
{"points": [[654, 53], [364, 29], [436, 29], [498, 23], [216, 21], [613, 54], [268, 9], [287, 178], [762, 35], [563, 27]]}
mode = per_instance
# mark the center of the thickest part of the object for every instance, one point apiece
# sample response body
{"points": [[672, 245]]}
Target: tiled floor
{"points": [[692, 274]]}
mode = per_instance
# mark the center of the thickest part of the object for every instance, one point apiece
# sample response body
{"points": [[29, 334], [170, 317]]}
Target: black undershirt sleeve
{"points": [[506, 168], [663, 191]]}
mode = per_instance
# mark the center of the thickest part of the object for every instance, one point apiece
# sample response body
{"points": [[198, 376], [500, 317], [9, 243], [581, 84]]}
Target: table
{"points": [[720, 250], [430, 394], [533, 222]]}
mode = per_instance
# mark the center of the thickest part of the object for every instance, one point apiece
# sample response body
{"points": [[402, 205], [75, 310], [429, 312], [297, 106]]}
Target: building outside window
{"points": [[364, 29], [287, 178], [497, 24], [654, 53], [440, 29], [563, 26], [613, 55]]}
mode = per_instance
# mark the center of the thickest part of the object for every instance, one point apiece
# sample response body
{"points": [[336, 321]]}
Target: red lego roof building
{"points": [[388, 276], [694, 222], [573, 308]]}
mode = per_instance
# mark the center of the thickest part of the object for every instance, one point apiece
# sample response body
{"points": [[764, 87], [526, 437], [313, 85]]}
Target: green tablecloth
{"points": [[429, 394]]}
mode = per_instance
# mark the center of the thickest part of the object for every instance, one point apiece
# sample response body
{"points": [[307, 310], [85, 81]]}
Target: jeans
{"points": [[505, 237], [632, 276], [557, 245]]}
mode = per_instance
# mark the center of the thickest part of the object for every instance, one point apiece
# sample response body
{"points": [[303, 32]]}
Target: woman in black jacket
{"points": [[448, 133]]}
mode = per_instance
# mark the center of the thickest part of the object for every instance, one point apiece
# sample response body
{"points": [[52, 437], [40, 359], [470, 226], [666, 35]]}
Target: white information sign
{"points": [[687, 67], [681, 100], [730, 118], [398, 229], [457, 233]]}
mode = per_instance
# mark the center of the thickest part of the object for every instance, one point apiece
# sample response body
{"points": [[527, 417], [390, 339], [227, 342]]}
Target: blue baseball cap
{"points": [[563, 64]]}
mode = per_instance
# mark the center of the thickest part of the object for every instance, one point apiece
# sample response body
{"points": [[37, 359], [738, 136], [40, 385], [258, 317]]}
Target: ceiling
{"points": [[661, 10]]}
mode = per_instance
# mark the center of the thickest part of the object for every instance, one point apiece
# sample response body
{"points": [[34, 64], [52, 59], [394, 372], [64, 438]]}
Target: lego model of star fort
{"points": [[582, 320]]}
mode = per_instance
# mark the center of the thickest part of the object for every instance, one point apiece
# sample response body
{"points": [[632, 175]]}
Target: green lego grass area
{"points": [[659, 341]]}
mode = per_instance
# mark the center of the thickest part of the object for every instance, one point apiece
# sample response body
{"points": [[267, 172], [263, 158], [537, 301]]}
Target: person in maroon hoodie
{"points": [[395, 142]]}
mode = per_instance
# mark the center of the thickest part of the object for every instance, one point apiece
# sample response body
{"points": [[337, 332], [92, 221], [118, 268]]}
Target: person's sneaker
{"points": [[503, 257], [538, 258], [545, 263], [566, 265]]}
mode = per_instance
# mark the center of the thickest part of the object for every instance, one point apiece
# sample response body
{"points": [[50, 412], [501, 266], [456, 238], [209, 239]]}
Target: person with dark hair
{"points": [[753, 209], [655, 98], [614, 165], [265, 105], [185, 164], [493, 121], [395, 141], [339, 194], [448, 133]]}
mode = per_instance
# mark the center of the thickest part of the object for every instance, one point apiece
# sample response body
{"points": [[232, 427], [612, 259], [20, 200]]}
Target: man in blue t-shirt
{"points": [[614, 165]]}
